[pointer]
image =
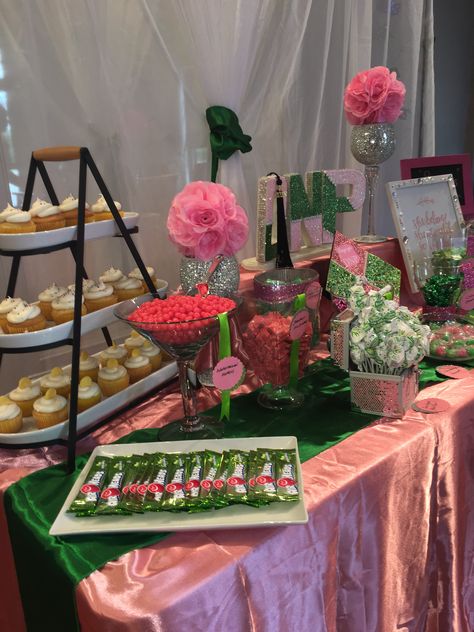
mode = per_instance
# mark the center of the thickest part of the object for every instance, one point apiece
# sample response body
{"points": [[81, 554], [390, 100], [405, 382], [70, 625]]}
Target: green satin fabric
{"points": [[49, 568], [226, 135]]}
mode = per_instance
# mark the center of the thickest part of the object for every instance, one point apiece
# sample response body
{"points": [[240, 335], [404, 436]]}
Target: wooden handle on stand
{"points": [[57, 154]]}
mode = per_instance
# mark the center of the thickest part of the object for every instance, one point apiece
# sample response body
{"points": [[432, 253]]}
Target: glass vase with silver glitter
{"points": [[224, 280]]}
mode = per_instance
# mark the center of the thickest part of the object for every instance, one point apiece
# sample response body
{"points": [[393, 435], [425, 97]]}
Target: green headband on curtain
{"points": [[226, 135]]}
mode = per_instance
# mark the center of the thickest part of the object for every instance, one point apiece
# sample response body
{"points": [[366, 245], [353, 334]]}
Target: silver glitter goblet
{"points": [[223, 282], [370, 145]]}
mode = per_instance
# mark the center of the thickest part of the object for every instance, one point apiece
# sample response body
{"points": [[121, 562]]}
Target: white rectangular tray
{"points": [[93, 230], [93, 415], [233, 517]]}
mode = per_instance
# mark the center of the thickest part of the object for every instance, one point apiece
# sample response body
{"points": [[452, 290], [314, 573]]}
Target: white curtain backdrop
{"points": [[132, 81]]}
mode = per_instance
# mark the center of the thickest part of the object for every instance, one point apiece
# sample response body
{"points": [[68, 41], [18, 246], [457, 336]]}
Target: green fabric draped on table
{"points": [[49, 568]]}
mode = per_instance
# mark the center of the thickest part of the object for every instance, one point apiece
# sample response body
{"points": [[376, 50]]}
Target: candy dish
{"points": [[233, 517], [451, 339]]}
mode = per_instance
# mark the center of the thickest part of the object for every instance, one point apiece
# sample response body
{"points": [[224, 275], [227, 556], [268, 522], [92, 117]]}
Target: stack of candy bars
{"points": [[192, 482]]}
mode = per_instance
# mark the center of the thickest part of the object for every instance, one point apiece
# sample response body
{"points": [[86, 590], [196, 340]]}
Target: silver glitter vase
{"points": [[370, 145], [223, 282]]}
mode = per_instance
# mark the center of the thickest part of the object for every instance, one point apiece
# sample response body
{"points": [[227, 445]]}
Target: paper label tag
{"points": [[453, 371], [431, 405], [466, 301], [313, 294], [298, 324], [228, 373]]}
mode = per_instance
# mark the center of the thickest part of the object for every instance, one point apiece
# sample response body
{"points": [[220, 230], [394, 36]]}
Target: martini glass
{"points": [[182, 341]]}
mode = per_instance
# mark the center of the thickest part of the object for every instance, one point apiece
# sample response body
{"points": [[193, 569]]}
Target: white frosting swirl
{"points": [[23, 312], [136, 274], [45, 405], [23, 394], [98, 290], [51, 292], [134, 342], [89, 363], [86, 283], [133, 362], [38, 206], [69, 203], [10, 303], [150, 350], [55, 381], [20, 217], [111, 275], [65, 301], [47, 212], [9, 411], [7, 211], [91, 390], [101, 205], [114, 352], [112, 373], [126, 283]]}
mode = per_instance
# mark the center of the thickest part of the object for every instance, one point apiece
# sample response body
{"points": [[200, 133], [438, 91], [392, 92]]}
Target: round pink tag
{"points": [[431, 405], [298, 324], [228, 373], [467, 299], [313, 294], [453, 371]]}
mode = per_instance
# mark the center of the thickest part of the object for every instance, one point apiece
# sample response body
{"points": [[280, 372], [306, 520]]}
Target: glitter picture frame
{"points": [[419, 205]]}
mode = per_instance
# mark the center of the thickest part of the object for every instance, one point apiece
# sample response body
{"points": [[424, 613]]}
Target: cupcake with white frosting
{"points": [[136, 274], [113, 377], [134, 341], [47, 296], [86, 283], [138, 366], [57, 379], [39, 205], [100, 209], [8, 210], [49, 410], [153, 353], [69, 210], [47, 217], [88, 366], [99, 295], [62, 307], [25, 317], [128, 288], [25, 395], [7, 305], [114, 352], [11, 419], [88, 394], [111, 276], [17, 222]]}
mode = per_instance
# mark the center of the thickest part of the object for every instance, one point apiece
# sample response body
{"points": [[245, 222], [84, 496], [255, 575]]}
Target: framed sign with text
{"points": [[459, 166], [420, 206]]}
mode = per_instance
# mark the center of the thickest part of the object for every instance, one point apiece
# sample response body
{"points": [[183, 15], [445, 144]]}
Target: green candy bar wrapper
{"points": [[212, 462], [219, 484], [255, 500], [236, 487], [85, 502], [286, 476], [132, 472], [156, 488], [264, 484], [130, 501], [194, 473], [175, 494], [111, 494]]}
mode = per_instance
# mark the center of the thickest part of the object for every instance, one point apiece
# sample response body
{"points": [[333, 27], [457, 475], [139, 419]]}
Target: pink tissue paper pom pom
{"points": [[204, 221], [374, 96]]}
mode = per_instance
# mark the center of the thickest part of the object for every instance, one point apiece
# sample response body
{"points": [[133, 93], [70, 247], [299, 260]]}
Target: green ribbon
{"points": [[299, 303], [226, 135], [224, 352]]}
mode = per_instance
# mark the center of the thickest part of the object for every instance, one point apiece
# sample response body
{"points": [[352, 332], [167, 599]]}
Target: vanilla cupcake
{"points": [[11, 419], [113, 377], [47, 296], [49, 410], [39, 205], [134, 341], [25, 395], [128, 288], [6, 306], [8, 210], [86, 284], [19, 222], [48, 218], [88, 394], [100, 209], [113, 353], [111, 276], [138, 366], [88, 366], [153, 353], [57, 379], [136, 274], [69, 210], [99, 295], [25, 317], [62, 307]]}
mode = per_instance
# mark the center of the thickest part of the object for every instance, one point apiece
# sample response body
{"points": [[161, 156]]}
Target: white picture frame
{"points": [[420, 205]]}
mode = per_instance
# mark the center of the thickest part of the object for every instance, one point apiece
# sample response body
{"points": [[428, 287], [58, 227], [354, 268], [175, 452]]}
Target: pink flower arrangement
{"points": [[374, 96], [204, 221]]}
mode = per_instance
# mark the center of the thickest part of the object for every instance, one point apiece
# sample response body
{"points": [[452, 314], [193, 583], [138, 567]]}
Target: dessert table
{"points": [[388, 545]]}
